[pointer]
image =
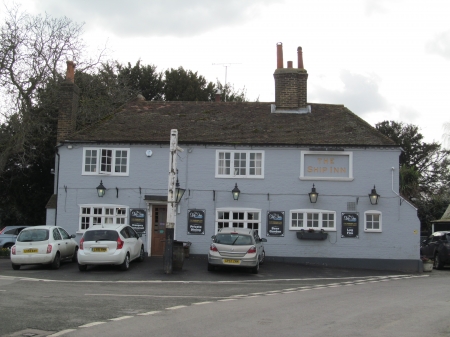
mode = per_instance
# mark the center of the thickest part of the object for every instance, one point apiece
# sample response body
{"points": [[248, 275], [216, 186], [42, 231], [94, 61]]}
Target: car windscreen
{"points": [[32, 235], [101, 235], [233, 239]]}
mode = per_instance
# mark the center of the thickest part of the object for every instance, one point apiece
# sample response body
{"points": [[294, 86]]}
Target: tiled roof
{"points": [[249, 123]]}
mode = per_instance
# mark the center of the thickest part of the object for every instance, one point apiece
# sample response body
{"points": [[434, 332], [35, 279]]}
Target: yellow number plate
{"points": [[30, 250], [99, 250], [230, 261]]}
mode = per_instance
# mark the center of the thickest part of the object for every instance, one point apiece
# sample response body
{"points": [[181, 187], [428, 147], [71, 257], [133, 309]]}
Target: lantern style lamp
{"points": [[373, 196], [313, 195], [236, 192], [179, 192], [101, 190]]}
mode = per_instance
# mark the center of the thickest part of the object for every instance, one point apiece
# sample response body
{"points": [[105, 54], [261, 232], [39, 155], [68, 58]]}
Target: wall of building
{"points": [[280, 190]]}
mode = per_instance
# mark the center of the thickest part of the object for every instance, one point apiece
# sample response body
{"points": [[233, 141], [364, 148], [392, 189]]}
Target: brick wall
{"points": [[68, 106], [290, 88]]}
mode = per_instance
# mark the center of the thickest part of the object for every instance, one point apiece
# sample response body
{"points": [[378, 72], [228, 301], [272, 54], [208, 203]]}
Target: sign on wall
{"points": [[326, 165], [137, 220], [196, 222], [350, 225], [275, 223]]}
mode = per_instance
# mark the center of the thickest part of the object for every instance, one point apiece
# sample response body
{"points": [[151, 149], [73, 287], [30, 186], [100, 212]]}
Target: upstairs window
{"points": [[106, 161], [239, 164]]}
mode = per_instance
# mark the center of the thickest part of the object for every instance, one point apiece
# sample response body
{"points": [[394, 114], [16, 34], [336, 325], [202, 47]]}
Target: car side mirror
{"points": [[213, 237], [263, 240], [73, 236]]}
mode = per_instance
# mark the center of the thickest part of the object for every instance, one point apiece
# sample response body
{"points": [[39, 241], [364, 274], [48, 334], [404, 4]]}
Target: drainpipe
{"points": [[57, 183]]}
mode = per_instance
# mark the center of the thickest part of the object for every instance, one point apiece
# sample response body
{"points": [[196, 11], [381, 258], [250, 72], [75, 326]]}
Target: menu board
{"points": [[275, 223], [137, 220], [350, 225], [196, 222]]}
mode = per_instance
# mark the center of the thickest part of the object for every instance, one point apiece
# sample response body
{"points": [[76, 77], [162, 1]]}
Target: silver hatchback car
{"points": [[236, 247]]}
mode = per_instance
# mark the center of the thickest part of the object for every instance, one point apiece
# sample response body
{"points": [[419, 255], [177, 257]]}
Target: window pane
{"points": [[224, 163], [255, 164], [121, 161], [106, 160], [90, 161], [239, 163]]}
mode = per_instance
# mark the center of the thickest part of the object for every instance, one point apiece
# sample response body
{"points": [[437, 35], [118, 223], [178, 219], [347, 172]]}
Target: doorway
{"points": [[159, 219]]}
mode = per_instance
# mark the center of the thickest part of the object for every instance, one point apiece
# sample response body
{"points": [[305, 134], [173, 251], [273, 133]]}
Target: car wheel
{"points": [[210, 267], [263, 257], [56, 262], [15, 266], [126, 263], [255, 269], [75, 255], [141, 255], [438, 263], [82, 267]]}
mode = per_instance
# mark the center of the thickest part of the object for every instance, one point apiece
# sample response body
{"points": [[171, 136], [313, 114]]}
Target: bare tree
{"points": [[33, 51]]}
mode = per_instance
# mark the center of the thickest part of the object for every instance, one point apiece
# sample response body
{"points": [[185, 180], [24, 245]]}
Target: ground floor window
{"points": [[372, 221], [238, 218], [312, 218], [102, 215]]}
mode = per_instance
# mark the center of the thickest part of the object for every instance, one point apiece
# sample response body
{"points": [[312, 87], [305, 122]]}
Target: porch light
{"points": [[178, 192], [313, 195], [236, 192], [373, 196], [101, 189]]}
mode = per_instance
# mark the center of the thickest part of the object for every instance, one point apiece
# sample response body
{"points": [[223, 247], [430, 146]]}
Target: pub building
{"points": [[316, 180]]}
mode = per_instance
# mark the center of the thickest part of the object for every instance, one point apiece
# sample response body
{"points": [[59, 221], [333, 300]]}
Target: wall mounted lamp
{"points": [[178, 192], [373, 196], [236, 192], [101, 189], [313, 195]]}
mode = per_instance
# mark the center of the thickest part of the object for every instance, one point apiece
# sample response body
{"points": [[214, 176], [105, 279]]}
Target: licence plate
{"points": [[30, 250], [100, 250], [230, 261]]}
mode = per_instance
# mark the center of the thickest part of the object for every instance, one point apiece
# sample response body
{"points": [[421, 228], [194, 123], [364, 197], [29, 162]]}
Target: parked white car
{"points": [[110, 244], [43, 245]]}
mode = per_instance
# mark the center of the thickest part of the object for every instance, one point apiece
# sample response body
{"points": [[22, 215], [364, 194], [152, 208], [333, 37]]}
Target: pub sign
{"points": [[350, 225], [137, 220], [196, 222], [275, 223]]}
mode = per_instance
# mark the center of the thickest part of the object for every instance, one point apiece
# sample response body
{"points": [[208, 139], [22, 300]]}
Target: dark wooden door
{"points": [[158, 230]]}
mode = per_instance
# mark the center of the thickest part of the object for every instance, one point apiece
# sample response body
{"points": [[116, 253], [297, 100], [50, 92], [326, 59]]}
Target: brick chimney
{"points": [[290, 85], [67, 105]]}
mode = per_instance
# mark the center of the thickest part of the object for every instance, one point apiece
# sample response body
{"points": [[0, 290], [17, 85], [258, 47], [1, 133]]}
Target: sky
{"points": [[382, 59]]}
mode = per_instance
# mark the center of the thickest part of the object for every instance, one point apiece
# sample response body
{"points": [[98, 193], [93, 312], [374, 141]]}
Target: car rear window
{"points": [[101, 235], [233, 239], [32, 235]]}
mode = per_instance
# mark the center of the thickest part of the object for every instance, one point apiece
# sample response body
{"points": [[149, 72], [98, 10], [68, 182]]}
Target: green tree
{"points": [[230, 94], [185, 85], [424, 167]]}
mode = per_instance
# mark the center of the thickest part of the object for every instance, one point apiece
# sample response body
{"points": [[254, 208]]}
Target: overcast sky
{"points": [[383, 59]]}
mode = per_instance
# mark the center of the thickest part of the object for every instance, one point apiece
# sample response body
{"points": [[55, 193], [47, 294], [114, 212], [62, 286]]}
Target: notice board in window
{"points": [[350, 225]]}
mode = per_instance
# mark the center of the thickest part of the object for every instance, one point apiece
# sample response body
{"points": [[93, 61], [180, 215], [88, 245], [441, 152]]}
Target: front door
{"points": [[159, 230]]}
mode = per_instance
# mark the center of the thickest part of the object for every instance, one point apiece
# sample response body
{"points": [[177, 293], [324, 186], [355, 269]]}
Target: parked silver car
{"points": [[110, 244], [8, 235], [236, 247]]}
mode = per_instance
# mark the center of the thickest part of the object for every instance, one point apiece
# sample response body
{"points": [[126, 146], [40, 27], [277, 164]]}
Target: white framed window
{"points": [[238, 218], [239, 164], [372, 221], [106, 161], [102, 215], [312, 218]]}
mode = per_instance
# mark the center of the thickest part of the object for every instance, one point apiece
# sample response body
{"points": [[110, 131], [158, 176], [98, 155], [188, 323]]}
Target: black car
{"points": [[437, 248]]}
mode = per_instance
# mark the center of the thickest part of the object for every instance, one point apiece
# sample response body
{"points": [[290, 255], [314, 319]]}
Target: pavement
{"points": [[194, 269]]}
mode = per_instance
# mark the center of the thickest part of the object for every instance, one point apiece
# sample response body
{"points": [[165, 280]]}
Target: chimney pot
{"points": [[70, 73], [289, 64], [300, 58], [279, 55]]}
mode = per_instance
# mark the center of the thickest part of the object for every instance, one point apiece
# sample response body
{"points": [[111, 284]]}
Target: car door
{"points": [[432, 245], [67, 242], [134, 240], [58, 243]]}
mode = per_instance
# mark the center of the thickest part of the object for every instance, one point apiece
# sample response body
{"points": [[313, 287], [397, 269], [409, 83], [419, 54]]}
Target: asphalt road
{"points": [[103, 300]]}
